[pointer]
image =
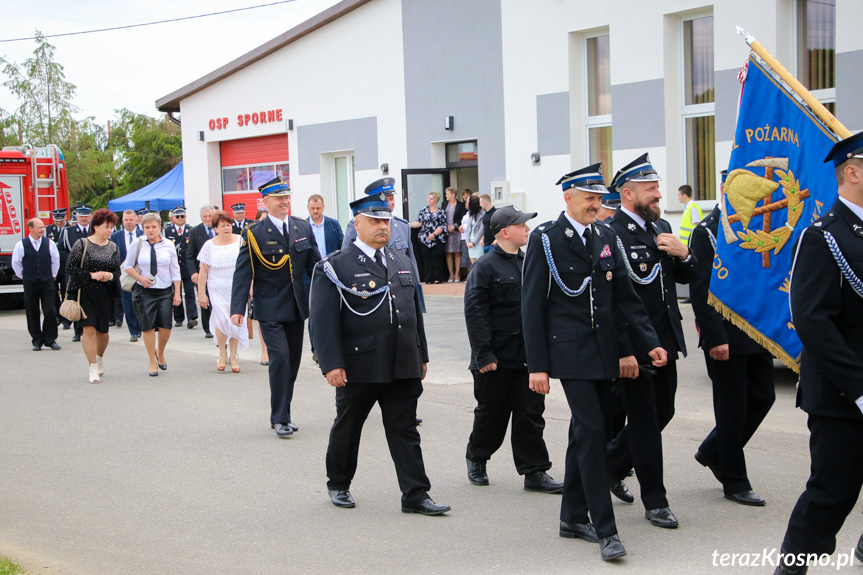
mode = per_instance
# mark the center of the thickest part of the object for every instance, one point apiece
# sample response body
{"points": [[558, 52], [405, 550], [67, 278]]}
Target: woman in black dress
{"points": [[95, 277]]}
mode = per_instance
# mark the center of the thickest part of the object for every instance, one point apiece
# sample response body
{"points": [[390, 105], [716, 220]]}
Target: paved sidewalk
{"points": [[181, 474]]}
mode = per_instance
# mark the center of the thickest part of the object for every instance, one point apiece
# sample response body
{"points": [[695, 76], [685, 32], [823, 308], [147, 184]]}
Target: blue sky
{"points": [[132, 68]]}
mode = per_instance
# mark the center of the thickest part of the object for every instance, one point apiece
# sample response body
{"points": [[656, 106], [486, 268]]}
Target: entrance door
{"points": [[343, 186], [416, 187]]}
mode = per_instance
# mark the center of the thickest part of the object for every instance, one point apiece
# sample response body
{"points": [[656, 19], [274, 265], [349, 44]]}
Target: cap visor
{"points": [[647, 178], [279, 194], [525, 216], [593, 188], [377, 215]]}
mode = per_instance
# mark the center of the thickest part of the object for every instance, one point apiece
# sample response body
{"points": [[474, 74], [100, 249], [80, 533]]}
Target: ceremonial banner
{"points": [[777, 185]]}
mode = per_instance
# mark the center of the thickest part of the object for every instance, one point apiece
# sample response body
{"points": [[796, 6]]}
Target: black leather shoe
{"points": [[55, 346], [178, 324], [858, 551], [581, 530], [610, 548], [425, 507], [292, 426], [783, 569], [622, 492], [208, 335], [283, 430], [153, 373], [191, 323], [419, 420], [342, 498], [133, 338], [37, 347], [476, 472], [119, 324], [162, 366], [542, 482], [700, 458], [76, 337], [662, 517], [112, 323], [746, 498], [67, 326]]}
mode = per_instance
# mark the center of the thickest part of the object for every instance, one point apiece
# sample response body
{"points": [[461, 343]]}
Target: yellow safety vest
{"points": [[686, 226]]}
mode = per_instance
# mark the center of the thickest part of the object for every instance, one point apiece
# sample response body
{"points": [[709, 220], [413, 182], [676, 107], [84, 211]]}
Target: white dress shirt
{"points": [[579, 227], [167, 265], [18, 256], [370, 251], [278, 223], [320, 236], [129, 240]]}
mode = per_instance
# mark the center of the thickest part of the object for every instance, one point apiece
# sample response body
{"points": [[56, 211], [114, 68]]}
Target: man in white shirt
{"points": [[36, 261]]}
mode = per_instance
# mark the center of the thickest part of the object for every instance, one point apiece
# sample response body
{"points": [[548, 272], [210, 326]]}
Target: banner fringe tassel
{"points": [[762, 340]]}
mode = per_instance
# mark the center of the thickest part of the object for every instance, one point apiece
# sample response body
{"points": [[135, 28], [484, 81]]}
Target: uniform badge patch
{"points": [[569, 233], [299, 240], [608, 275], [372, 284], [606, 252], [817, 224], [631, 227], [643, 267], [634, 255], [541, 228]]}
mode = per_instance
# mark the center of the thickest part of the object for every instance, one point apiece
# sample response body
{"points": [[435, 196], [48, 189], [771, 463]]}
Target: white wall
{"points": [[350, 68]]}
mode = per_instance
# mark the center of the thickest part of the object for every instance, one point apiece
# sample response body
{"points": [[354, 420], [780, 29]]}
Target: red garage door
{"points": [[249, 163]]}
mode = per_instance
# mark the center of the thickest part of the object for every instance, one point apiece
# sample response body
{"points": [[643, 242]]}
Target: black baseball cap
{"points": [[507, 216]]}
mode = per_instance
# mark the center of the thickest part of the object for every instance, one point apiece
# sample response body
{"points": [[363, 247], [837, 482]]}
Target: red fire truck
{"points": [[32, 183]]}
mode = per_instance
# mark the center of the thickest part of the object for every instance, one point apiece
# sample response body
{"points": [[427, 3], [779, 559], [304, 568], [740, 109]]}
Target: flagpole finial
{"points": [[749, 37]]}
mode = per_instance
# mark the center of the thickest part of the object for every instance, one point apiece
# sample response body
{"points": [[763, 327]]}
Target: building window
{"points": [[816, 49], [699, 108], [597, 120], [462, 155], [241, 179], [343, 185]]}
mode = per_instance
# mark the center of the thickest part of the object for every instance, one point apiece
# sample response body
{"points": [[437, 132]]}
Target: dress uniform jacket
{"points": [[828, 315], [237, 230], [714, 330], [492, 309], [55, 234], [387, 345], [52, 232], [400, 239], [197, 238], [642, 253], [275, 290], [560, 337], [69, 236], [181, 243]]}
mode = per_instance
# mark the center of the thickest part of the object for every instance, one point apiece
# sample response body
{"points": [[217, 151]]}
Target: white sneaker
{"points": [[94, 373], [100, 364]]}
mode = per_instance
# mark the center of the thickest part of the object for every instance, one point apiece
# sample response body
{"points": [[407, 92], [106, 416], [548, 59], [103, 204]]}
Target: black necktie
{"points": [[210, 233], [379, 259], [153, 260], [588, 242], [285, 230], [130, 237]]}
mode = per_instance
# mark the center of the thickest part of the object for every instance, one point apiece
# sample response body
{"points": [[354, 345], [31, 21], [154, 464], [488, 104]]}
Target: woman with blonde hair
{"points": [[432, 235], [157, 288]]}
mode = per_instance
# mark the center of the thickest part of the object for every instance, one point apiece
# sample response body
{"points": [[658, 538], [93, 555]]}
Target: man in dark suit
{"points": [[35, 260], [372, 348], [198, 236], [69, 236], [574, 282], [178, 232], [328, 232], [54, 232], [240, 221], [827, 312], [655, 260], [276, 253], [740, 369], [125, 239]]}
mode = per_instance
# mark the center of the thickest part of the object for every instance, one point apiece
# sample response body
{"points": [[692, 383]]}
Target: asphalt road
{"points": [[182, 474]]}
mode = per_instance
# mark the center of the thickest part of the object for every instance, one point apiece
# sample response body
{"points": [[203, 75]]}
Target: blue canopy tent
{"points": [[166, 193]]}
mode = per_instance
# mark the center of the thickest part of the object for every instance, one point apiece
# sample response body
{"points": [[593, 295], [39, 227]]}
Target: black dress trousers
{"points": [[585, 484], [649, 402], [40, 295], [285, 345], [743, 394], [500, 394], [398, 403]]}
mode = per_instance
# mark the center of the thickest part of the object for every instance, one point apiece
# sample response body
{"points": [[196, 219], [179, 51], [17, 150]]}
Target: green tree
{"points": [[45, 113], [146, 148]]}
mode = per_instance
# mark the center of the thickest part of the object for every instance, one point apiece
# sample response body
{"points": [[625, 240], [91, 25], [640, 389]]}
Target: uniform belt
{"points": [[852, 333]]}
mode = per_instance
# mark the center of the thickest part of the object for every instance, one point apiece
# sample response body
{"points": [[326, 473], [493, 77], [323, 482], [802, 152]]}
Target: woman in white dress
{"points": [[218, 259], [474, 229]]}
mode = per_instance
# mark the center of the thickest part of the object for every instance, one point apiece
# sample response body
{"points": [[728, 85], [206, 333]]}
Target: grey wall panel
{"points": [[638, 112], [552, 124], [453, 66], [849, 86], [359, 135], [727, 90]]}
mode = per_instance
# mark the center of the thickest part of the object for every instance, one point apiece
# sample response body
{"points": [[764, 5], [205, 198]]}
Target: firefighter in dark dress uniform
{"points": [[68, 237], [54, 233], [492, 312], [177, 231], [740, 369], [574, 282], [240, 221], [827, 310], [275, 254], [656, 260], [367, 328]]}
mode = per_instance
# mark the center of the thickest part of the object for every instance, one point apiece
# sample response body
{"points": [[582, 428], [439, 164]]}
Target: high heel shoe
{"points": [[162, 366], [94, 373], [235, 365], [100, 364], [265, 361], [220, 364]]}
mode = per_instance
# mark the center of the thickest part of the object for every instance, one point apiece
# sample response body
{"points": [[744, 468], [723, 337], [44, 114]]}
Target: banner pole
{"points": [[817, 107]]}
